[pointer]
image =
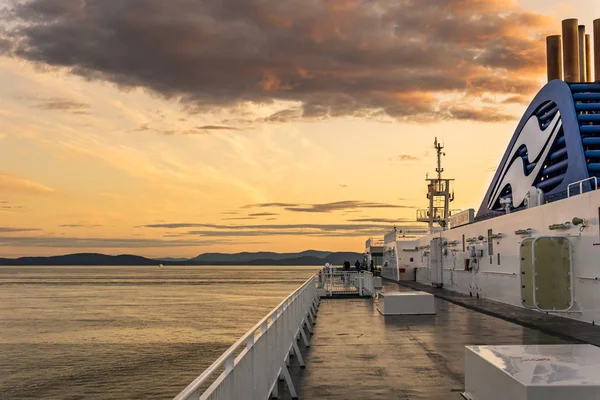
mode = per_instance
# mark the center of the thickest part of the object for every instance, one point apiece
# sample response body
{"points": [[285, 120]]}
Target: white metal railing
{"points": [[592, 179], [263, 351], [340, 282]]}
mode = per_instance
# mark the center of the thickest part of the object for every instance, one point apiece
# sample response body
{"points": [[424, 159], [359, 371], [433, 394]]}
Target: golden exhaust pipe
{"points": [[588, 59], [554, 57], [597, 49], [570, 33], [581, 46]]}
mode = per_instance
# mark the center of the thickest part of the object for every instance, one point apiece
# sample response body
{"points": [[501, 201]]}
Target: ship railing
{"points": [[251, 367], [340, 282], [590, 184], [376, 242]]}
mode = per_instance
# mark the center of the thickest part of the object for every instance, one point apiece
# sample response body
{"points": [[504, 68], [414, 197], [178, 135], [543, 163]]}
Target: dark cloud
{"points": [[333, 230], [271, 205], [59, 104], [334, 58], [377, 227], [78, 226], [362, 233], [63, 105], [262, 214], [261, 226], [342, 205], [217, 128], [238, 218], [8, 229], [483, 114], [380, 220], [345, 205]]}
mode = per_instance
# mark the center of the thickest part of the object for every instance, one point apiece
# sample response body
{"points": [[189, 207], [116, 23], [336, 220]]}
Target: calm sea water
{"points": [[126, 332]]}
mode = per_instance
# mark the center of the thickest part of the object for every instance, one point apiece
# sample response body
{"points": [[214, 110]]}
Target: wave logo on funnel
{"points": [[537, 142]]}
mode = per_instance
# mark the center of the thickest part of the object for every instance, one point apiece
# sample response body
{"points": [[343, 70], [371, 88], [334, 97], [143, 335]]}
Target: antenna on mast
{"points": [[438, 148], [438, 194]]}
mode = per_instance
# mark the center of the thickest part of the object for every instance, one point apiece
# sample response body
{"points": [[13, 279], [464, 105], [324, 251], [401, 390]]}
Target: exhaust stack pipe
{"points": [[554, 57], [582, 59], [597, 49], [588, 59], [570, 33]]}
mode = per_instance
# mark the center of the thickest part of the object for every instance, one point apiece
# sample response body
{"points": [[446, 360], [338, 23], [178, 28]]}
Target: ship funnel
{"points": [[570, 56], [582, 54], [588, 59], [570, 37], [554, 57], [597, 49]]}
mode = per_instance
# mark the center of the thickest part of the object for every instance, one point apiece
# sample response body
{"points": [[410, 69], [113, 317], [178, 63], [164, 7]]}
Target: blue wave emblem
{"points": [[537, 142], [557, 142]]}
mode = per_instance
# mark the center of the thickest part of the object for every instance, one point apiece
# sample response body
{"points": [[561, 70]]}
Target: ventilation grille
{"points": [[587, 104]]}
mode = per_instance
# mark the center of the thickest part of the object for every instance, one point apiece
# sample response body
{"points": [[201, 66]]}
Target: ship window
{"points": [[498, 258], [463, 241], [412, 259], [490, 244]]}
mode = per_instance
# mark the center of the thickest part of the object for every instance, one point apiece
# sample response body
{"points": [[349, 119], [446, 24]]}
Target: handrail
{"points": [[580, 183], [228, 358]]}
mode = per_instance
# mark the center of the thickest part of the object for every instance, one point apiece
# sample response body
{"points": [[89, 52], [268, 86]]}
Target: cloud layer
{"points": [[411, 60], [343, 205], [265, 230]]}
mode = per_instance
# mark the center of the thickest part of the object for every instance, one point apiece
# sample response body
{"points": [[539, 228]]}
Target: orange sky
{"points": [[296, 127]]}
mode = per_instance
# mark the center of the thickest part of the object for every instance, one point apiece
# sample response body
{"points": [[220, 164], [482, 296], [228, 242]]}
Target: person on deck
{"points": [[357, 265], [372, 267]]}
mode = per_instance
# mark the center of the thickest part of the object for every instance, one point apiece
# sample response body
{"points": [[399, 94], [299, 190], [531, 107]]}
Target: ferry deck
{"points": [[357, 353]]}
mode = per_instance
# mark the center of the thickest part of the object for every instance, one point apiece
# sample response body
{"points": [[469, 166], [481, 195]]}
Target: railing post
{"points": [[360, 284]]}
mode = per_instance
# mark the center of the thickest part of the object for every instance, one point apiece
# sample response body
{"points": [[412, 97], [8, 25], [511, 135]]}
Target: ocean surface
{"points": [[126, 332]]}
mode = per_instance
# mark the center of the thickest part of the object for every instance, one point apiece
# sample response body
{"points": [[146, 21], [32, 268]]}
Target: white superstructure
{"points": [[545, 257]]}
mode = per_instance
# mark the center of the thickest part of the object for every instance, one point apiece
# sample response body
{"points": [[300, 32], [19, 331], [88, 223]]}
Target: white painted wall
{"points": [[501, 282]]}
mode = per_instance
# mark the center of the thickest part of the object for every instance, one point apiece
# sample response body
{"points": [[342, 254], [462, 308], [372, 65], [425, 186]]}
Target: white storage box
{"points": [[406, 303], [532, 372], [377, 284]]}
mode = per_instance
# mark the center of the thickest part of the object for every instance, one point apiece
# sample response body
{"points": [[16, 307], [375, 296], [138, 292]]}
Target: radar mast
{"points": [[438, 194]]}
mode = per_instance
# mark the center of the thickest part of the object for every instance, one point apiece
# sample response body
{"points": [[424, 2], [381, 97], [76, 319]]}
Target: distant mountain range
{"points": [[308, 257]]}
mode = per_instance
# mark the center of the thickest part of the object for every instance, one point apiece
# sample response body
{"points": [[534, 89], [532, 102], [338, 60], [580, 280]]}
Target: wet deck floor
{"points": [[357, 353]]}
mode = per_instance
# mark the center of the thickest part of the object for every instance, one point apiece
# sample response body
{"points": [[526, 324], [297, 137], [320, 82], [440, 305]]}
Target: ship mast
{"points": [[438, 148], [438, 193]]}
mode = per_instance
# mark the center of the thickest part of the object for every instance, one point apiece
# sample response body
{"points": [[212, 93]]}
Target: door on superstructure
{"points": [[552, 273], [527, 273]]}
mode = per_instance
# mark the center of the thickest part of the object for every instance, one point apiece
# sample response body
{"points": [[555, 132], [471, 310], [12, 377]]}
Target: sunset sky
{"points": [[173, 128]]}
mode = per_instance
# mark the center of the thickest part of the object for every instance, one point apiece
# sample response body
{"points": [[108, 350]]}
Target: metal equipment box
{"points": [[532, 372], [406, 303], [377, 284]]}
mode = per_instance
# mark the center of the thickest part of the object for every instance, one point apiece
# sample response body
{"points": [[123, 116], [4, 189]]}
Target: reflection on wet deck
{"points": [[356, 353]]}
